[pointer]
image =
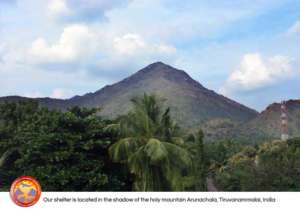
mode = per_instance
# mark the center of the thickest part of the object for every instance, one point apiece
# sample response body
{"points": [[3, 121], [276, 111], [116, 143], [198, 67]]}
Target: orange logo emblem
{"points": [[25, 191]]}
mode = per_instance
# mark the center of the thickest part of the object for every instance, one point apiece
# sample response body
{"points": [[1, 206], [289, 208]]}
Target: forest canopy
{"points": [[144, 150]]}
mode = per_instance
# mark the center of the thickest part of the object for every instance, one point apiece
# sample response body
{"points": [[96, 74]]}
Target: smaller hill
{"points": [[267, 124]]}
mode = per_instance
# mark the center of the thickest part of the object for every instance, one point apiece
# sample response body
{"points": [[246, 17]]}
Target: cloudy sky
{"points": [[248, 50]]}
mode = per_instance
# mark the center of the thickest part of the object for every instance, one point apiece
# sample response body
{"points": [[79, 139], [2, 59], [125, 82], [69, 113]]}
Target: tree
{"points": [[65, 151], [151, 148], [279, 165], [238, 174], [195, 145], [272, 166]]}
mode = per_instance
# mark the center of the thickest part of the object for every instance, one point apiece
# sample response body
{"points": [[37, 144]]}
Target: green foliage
{"points": [[218, 152], [64, 151], [273, 166], [145, 150], [195, 145], [238, 173], [151, 147]]}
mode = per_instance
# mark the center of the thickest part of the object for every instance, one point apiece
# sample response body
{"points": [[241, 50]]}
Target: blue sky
{"points": [[248, 50]]}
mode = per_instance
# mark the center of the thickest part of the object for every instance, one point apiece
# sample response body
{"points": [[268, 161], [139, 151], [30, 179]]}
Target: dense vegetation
{"points": [[144, 150], [64, 151], [272, 166], [78, 151]]}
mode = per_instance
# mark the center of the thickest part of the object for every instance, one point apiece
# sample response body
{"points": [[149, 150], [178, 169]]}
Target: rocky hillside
{"points": [[191, 103], [267, 124]]}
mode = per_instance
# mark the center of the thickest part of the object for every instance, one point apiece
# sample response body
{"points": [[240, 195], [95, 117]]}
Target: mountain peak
{"points": [[157, 66], [161, 69]]}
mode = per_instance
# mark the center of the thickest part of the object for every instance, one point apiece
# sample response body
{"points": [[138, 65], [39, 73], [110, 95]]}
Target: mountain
{"points": [[267, 124], [191, 104], [51, 103]]}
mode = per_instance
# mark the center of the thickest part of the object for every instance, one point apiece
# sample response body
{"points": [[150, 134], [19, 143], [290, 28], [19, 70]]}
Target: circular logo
{"points": [[25, 191]]}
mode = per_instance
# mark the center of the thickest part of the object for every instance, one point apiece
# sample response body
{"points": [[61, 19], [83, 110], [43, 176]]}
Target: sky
{"points": [[247, 50]]}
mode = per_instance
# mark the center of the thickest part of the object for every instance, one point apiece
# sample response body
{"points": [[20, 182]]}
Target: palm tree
{"points": [[150, 146], [194, 144]]}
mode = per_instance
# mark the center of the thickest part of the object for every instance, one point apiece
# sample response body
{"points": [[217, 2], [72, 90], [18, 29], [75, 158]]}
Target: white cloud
{"points": [[58, 8], [294, 29], [255, 72], [86, 47], [75, 41], [130, 44], [61, 93]]}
